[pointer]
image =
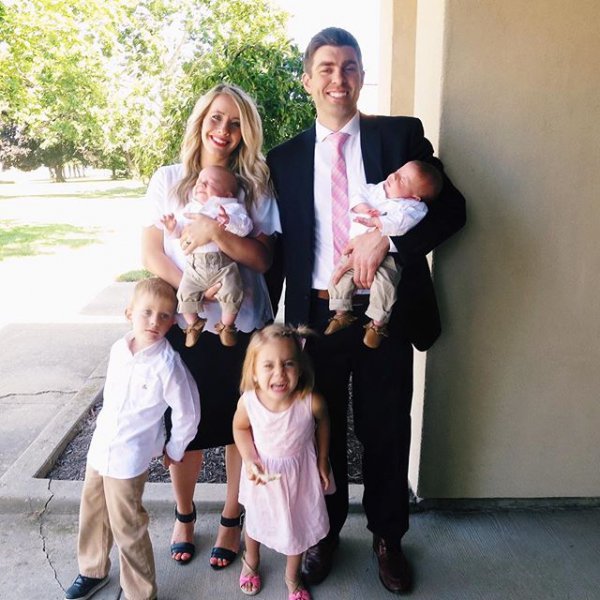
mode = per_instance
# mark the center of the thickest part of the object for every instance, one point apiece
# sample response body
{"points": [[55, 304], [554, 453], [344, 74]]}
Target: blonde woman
{"points": [[224, 129]]}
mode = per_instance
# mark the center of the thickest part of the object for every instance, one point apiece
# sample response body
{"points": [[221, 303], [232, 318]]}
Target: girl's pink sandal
{"points": [[253, 578], [299, 593]]}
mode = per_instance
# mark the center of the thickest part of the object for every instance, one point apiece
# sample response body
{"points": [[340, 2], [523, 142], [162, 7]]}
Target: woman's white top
{"points": [[256, 308]]}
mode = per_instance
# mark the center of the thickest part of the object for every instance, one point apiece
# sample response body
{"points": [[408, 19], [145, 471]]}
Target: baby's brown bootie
{"points": [[374, 335], [227, 334], [339, 321], [192, 333]]}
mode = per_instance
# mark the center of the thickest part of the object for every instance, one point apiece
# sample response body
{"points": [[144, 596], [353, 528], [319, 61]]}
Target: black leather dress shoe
{"points": [[318, 559], [394, 569]]}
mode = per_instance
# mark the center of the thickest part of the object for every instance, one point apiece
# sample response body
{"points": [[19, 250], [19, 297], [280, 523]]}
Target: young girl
{"points": [[281, 429]]}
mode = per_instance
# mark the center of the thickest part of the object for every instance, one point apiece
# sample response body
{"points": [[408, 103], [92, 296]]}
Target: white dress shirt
{"points": [[355, 171], [130, 427]]}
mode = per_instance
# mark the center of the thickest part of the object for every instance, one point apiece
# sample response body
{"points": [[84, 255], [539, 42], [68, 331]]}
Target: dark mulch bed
{"points": [[70, 465]]}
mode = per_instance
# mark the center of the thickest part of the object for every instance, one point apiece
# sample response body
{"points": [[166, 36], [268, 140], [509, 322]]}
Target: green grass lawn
{"points": [[18, 240], [41, 218]]}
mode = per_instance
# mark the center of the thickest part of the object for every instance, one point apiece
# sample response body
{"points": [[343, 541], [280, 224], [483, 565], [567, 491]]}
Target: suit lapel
{"points": [[370, 143]]}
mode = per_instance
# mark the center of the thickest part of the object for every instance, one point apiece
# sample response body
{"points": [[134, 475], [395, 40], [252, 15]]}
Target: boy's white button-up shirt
{"points": [[130, 427]]}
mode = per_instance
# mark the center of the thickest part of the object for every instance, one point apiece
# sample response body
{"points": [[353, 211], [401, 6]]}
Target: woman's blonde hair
{"points": [[246, 161], [306, 380]]}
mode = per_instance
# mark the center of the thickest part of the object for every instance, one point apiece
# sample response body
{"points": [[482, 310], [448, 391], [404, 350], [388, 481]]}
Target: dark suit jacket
{"points": [[386, 143]]}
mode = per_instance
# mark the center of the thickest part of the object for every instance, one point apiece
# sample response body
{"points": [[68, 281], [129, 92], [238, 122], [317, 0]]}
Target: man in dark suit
{"points": [[380, 379]]}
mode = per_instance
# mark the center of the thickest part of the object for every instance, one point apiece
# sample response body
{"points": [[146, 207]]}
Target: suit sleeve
{"points": [[274, 277]]}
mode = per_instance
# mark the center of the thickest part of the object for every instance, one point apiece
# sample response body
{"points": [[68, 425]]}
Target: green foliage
{"points": [[112, 83], [54, 77], [136, 275], [236, 41]]}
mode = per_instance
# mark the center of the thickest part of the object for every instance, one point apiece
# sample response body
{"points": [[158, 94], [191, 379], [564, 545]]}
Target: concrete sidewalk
{"points": [[52, 373]]}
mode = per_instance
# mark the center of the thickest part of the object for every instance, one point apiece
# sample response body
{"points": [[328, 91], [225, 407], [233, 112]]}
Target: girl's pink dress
{"points": [[288, 514]]}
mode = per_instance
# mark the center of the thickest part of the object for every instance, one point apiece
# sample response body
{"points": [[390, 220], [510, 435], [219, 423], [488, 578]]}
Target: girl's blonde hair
{"points": [[246, 161], [276, 331]]}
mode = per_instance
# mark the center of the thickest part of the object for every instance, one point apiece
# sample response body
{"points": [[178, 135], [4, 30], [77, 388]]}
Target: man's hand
{"points": [[365, 253]]}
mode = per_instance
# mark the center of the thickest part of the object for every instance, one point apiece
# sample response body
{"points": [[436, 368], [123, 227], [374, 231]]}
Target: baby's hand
{"points": [[372, 221], [169, 222], [222, 218]]}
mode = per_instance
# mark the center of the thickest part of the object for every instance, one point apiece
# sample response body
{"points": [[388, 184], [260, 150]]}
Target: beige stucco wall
{"points": [[510, 95]]}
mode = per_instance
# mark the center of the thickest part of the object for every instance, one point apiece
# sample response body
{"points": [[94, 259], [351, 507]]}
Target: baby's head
{"points": [[215, 181], [282, 342], [415, 179], [151, 311]]}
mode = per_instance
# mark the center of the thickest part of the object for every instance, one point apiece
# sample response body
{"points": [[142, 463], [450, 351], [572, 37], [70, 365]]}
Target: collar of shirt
{"points": [[352, 127], [145, 354]]}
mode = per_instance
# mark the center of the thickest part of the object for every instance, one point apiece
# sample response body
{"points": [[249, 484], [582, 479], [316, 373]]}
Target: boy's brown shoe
{"points": [[340, 321], [374, 335], [192, 333], [227, 334]]}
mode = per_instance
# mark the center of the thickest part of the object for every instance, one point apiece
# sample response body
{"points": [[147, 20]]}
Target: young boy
{"points": [[215, 196], [393, 206], [145, 376]]}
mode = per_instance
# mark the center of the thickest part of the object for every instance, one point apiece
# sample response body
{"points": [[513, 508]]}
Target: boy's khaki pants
{"points": [[112, 508]]}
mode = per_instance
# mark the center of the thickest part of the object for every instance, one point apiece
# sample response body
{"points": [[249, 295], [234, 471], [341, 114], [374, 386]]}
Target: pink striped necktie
{"points": [[340, 218]]}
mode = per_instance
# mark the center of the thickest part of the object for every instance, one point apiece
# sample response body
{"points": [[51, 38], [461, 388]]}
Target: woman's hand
{"points": [[201, 230]]}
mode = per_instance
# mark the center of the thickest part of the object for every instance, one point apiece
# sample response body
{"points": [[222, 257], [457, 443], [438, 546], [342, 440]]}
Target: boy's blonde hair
{"points": [[155, 286], [306, 380]]}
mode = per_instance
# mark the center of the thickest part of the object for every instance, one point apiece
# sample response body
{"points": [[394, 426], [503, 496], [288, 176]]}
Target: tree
{"points": [[236, 41], [53, 61], [113, 83]]}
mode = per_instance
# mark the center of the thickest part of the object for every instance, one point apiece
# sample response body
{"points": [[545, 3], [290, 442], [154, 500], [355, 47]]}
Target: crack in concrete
{"points": [[12, 396], [41, 515]]}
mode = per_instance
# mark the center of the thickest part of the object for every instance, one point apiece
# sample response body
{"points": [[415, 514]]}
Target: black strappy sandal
{"points": [[184, 547], [224, 553]]}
